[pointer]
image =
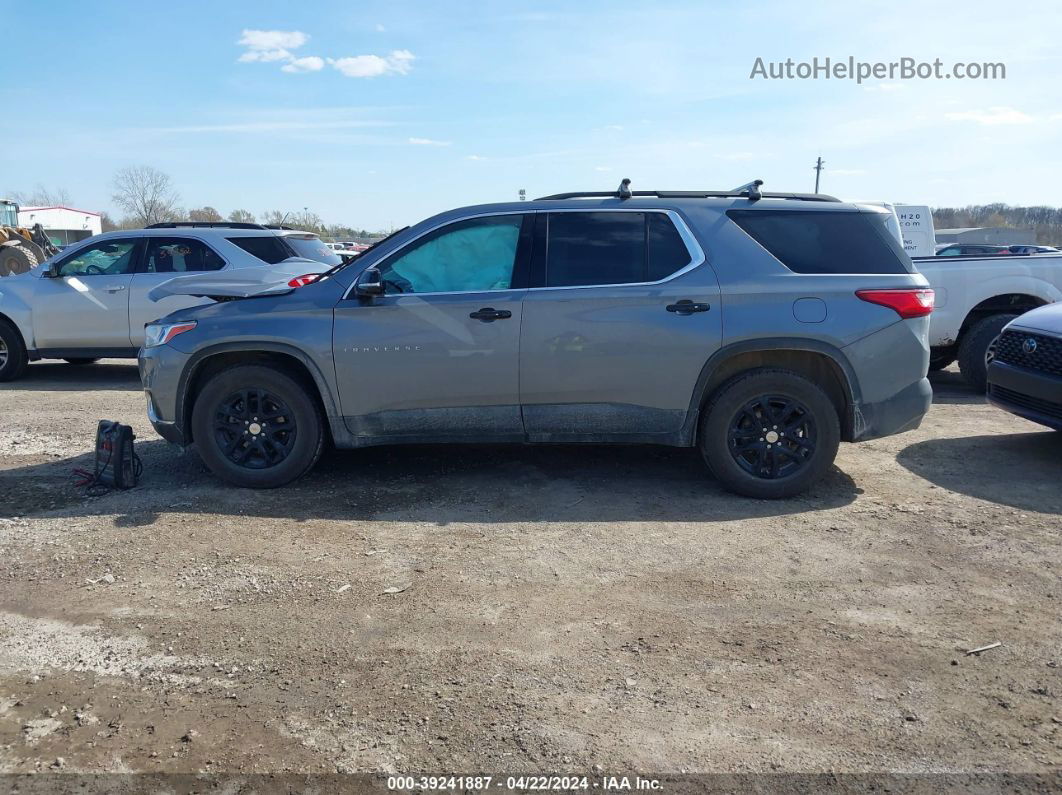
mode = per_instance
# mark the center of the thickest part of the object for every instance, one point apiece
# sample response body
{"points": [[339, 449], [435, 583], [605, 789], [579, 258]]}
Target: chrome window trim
{"points": [[693, 248]]}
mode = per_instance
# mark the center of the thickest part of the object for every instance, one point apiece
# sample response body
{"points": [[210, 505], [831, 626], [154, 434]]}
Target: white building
{"points": [[62, 224]]}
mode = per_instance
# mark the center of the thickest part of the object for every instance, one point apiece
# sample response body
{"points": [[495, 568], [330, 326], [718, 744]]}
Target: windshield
{"points": [[313, 248]]}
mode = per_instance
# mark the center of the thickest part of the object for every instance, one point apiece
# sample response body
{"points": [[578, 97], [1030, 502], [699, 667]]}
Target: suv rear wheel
{"points": [[257, 427], [769, 433]]}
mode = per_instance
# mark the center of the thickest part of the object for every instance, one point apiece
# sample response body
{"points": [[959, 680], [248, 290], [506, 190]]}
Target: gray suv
{"points": [[761, 328]]}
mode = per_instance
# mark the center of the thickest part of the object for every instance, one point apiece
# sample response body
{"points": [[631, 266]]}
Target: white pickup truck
{"points": [[976, 297]]}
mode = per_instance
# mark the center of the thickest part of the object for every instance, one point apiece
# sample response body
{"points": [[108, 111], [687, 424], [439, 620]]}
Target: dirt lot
{"points": [[559, 608]]}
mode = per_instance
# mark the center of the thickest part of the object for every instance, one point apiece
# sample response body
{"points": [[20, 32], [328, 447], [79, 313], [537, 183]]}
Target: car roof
{"points": [[204, 231]]}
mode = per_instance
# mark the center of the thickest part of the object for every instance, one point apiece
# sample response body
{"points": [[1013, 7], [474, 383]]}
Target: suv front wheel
{"points": [[257, 427], [769, 433]]}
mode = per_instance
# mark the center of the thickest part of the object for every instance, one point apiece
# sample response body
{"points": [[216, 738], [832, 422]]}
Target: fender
{"points": [[849, 382], [335, 421], [18, 313]]}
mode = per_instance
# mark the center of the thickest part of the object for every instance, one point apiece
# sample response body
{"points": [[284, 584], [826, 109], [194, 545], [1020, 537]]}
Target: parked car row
{"points": [[986, 250], [761, 328]]}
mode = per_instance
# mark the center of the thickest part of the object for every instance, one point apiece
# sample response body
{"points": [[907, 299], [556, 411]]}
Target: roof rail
{"points": [[750, 191], [277, 226], [691, 194], [207, 224]]}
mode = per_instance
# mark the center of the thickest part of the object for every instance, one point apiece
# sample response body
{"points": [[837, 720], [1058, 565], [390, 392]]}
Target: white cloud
{"points": [[474, 157], [265, 56], [274, 40], [311, 63], [602, 168], [380, 28], [271, 46], [739, 156], [397, 62], [846, 172], [428, 142], [998, 114]]}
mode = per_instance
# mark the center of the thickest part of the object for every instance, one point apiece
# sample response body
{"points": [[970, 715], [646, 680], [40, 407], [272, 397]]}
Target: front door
{"points": [[615, 342], [166, 258], [437, 355], [87, 305]]}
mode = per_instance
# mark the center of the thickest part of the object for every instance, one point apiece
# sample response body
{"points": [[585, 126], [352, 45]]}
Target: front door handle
{"points": [[117, 289], [489, 314], [687, 307]]}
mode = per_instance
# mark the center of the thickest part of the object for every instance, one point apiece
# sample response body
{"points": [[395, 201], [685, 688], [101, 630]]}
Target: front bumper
{"points": [[1026, 393], [160, 373]]}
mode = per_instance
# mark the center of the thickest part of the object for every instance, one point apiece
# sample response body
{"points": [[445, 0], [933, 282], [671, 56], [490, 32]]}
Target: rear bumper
{"points": [[890, 369], [1026, 393], [901, 412]]}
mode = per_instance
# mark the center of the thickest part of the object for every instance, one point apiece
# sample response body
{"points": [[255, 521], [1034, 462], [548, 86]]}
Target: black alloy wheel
{"points": [[254, 428], [772, 436]]}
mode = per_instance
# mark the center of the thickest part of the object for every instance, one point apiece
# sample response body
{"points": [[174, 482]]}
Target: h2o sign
{"points": [[916, 226]]}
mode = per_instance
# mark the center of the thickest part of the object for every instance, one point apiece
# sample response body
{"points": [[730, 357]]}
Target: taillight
{"points": [[302, 281], [909, 302]]}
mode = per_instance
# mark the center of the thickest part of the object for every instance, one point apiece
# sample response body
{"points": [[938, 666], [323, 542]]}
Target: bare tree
{"points": [[205, 215], [275, 217], [241, 217], [41, 196], [146, 193]]}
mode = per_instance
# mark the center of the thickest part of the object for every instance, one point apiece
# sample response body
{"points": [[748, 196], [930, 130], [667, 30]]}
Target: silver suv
{"points": [[92, 300], [761, 328]]}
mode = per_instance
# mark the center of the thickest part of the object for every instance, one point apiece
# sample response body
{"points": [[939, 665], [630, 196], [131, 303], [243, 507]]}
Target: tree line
{"points": [[148, 196], [1045, 221]]}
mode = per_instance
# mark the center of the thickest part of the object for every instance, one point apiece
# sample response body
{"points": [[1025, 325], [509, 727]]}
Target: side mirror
{"points": [[52, 272], [370, 283]]}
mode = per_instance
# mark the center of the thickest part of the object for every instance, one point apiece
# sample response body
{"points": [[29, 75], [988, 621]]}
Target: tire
{"points": [[80, 361], [974, 348], [272, 457], [16, 259], [13, 358], [940, 358], [744, 400]]}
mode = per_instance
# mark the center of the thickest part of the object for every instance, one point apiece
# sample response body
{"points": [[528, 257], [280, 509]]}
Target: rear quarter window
{"points": [[268, 248], [809, 241]]}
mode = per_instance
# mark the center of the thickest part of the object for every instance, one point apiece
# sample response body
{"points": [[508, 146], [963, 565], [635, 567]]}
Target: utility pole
{"points": [[819, 165]]}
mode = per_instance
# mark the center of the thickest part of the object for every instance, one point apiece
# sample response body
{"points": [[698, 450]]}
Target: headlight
{"points": [[161, 333]]}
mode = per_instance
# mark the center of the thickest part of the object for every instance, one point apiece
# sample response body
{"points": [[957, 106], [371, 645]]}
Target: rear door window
{"points": [[180, 255], [600, 248], [812, 241], [268, 248], [667, 251]]}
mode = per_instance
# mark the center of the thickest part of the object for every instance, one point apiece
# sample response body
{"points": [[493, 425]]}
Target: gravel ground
{"points": [[527, 609]]}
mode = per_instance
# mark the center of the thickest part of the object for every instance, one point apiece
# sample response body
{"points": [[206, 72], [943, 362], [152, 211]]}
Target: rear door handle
{"points": [[687, 307], [489, 314], [117, 289]]}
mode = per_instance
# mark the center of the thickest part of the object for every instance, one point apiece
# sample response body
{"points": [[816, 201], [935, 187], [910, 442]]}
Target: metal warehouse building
{"points": [[62, 224]]}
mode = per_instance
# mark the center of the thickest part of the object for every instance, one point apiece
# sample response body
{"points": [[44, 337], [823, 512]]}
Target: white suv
{"points": [[92, 300]]}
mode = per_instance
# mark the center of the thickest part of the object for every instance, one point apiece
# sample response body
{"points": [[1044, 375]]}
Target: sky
{"points": [[378, 114]]}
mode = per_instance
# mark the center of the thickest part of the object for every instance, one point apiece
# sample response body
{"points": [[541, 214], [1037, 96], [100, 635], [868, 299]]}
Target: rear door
{"points": [[87, 305], [622, 316], [165, 258]]}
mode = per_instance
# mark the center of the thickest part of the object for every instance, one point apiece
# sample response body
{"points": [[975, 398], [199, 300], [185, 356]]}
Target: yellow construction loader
{"points": [[20, 247]]}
